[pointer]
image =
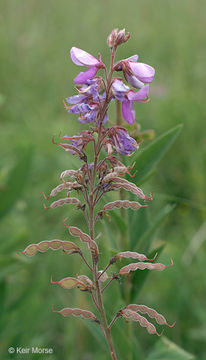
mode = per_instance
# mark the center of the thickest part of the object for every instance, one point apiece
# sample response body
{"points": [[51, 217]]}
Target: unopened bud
{"points": [[117, 38]]}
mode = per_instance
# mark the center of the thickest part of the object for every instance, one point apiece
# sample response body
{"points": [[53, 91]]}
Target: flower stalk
{"points": [[104, 174]]}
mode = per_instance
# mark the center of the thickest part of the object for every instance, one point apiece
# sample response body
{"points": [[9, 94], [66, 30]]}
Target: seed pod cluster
{"points": [[77, 312], [142, 266], [153, 314], [67, 246], [126, 204], [129, 314]]}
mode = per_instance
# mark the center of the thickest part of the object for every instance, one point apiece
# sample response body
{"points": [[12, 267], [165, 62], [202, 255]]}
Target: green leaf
{"points": [[145, 241], [147, 159], [96, 332], [15, 183], [167, 350], [138, 223], [139, 277], [120, 223]]}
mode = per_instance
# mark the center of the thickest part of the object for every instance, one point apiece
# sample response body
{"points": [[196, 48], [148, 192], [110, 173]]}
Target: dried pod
{"points": [[72, 149], [153, 314], [67, 246], [64, 201], [74, 231], [86, 280], [109, 177], [70, 283], [57, 189], [104, 277], [130, 254], [129, 314], [126, 185], [126, 204], [71, 173], [77, 312], [142, 266]]}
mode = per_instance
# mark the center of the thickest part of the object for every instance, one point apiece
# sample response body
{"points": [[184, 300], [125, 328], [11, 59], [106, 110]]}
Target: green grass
{"points": [[35, 75]]}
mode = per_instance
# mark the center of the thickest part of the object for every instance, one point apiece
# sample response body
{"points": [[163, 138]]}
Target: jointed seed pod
{"points": [[86, 280], [129, 314], [67, 246], [70, 283], [59, 188], [64, 201], [104, 277], [129, 187], [71, 173], [160, 319], [131, 254], [72, 149], [109, 177], [142, 266], [74, 231], [77, 312], [126, 204]]}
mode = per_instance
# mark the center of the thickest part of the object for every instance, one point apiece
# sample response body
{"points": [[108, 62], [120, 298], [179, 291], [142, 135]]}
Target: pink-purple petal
{"points": [[82, 77], [133, 58], [83, 58], [143, 72], [134, 81], [139, 96], [127, 111]]}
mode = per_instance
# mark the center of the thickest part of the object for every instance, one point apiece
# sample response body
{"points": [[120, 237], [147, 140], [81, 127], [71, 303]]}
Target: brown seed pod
{"points": [[70, 283], [129, 314], [129, 187], [57, 189], [71, 173], [72, 149], [74, 231], [142, 266], [64, 201], [109, 177], [77, 312], [86, 280], [153, 314], [104, 277], [67, 246], [126, 204], [131, 254]]}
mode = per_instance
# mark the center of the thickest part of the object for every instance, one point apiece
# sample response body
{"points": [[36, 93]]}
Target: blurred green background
{"points": [[35, 75]]}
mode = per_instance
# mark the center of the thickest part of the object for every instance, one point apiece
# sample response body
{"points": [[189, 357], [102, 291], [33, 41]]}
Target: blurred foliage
{"points": [[36, 74]]}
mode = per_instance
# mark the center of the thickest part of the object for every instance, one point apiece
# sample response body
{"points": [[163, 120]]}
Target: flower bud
{"points": [[117, 38]]}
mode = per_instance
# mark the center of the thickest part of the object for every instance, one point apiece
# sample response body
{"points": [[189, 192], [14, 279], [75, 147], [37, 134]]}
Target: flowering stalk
{"points": [[103, 175]]}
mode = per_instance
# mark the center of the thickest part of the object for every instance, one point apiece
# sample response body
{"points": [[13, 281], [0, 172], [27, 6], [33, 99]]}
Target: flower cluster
{"points": [[94, 96]]}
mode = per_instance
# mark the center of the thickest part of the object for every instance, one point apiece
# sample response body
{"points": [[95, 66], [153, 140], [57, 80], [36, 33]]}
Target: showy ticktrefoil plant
{"points": [[104, 174]]}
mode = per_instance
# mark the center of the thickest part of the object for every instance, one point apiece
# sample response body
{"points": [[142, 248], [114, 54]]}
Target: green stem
{"points": [[91, 204]]}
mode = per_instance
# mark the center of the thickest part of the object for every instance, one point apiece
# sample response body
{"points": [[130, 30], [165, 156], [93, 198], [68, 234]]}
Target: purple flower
{"points": [[123, 93], [121, 141], [82, 58], [136, 73], [87, 102]]}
